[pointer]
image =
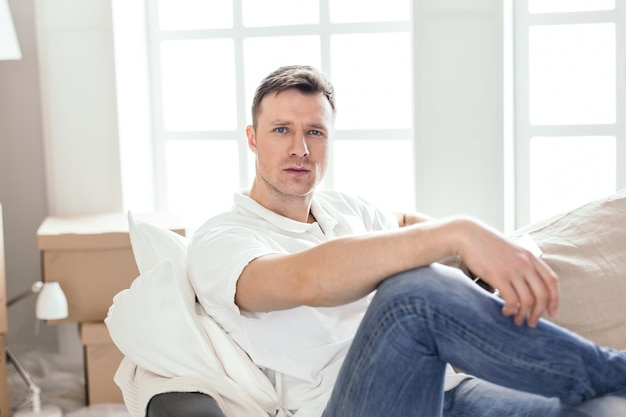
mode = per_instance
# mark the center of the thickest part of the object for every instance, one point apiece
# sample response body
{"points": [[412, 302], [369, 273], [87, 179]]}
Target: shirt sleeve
{"points": [[373, 217], [217, 256], [378, 219]]}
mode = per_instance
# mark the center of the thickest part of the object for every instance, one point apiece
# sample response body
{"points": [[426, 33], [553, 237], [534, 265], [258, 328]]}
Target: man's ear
{"points": [[251, 138]]}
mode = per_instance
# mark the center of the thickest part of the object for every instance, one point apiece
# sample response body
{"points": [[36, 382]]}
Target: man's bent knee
{"points": [[428, 283]]}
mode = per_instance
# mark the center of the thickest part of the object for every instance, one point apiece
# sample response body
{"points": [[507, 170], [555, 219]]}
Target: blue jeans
{"points": [[422, 319]]}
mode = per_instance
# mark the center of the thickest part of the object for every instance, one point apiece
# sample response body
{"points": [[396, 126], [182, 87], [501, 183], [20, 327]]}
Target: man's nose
{"points": [[299, 146]]}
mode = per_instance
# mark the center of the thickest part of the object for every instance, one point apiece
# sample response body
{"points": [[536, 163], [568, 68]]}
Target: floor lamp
{"points": [[51, 302], [51, 305]]}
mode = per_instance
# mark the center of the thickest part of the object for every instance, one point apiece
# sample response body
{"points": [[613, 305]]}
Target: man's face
{"points": [[291, 142]]}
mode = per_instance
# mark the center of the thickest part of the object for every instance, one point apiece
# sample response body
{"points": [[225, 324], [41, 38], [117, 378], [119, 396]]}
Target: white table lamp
{"points": [[51, 302]]}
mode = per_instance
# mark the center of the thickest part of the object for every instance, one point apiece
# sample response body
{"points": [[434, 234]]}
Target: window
{"points": [[569, 125], [206, 59]]}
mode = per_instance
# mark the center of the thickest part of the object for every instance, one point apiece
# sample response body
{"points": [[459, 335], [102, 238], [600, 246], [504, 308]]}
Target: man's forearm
{"points": [[343, 270]]}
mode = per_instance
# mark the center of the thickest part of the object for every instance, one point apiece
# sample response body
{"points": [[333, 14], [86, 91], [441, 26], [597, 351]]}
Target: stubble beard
{"points": [[289, 190]]}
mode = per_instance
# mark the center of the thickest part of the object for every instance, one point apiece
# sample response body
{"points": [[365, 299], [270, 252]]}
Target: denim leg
{"points": [[390, 369], [477, 398], [423, 318]]}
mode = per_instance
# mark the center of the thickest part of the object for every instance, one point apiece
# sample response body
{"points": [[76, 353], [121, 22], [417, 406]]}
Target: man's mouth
{"points": [[297, 170]]}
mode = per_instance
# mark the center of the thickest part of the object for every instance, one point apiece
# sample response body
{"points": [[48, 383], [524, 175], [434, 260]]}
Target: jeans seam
{"points": [[527, 362]]}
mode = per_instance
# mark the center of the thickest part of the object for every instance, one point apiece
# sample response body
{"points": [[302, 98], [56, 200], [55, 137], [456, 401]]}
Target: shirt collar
{"points": [[323, 218]]}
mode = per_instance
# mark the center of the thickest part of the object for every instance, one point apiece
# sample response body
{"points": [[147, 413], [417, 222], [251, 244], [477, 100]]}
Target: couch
{"points": [[586, 247]]}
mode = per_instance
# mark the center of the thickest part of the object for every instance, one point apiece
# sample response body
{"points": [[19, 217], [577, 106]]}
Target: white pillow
{"points": [[156, 328], [151, 244], [586, 247]]}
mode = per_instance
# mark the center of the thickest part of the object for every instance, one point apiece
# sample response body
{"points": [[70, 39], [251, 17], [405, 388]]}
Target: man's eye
{"points": [[281, 130], [315, 133]]}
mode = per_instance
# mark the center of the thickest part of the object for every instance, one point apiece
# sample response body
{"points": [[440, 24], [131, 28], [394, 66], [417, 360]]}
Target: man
{"points": [[344, 307]]}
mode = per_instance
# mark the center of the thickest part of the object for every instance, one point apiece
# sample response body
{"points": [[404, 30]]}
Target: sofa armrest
{"points": [[183, 404]]}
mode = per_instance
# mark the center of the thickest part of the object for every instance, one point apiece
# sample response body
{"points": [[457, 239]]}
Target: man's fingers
{"points": [[544, 287], [511, 300], [551, 281], [528, 297], [542, 299], [527, 301]]}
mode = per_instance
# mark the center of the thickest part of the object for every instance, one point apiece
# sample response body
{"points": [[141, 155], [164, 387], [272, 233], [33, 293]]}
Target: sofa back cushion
{"points": [[586, 247]]}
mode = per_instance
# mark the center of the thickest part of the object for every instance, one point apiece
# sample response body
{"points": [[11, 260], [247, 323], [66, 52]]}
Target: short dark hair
{"points": [[304, 78]]}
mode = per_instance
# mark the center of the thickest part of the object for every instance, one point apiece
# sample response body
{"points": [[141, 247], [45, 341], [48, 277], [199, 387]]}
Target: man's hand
{"points": [[527, 285]]}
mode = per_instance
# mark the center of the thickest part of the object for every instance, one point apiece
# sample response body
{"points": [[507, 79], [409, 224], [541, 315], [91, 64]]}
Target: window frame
{"points": [[238, 33], [524, 131]]}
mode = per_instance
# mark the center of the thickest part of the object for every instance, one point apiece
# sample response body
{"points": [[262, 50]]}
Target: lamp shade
{"points": [[51, 302], [9, 47]]}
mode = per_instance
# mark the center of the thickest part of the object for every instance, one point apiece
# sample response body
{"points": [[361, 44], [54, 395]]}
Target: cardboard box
{"points": [[102, 358], [5, 411], [3, 291], [92, 259]]}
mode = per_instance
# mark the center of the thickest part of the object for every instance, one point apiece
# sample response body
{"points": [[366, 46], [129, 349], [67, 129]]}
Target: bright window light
{"points": [[380, 171], [385, 102], [198, 180], [198, 89], [572, 74], [561, 6], [264, 54], [195, 14], [279, 12], [569, 137], [566, 172], [342, 11]]}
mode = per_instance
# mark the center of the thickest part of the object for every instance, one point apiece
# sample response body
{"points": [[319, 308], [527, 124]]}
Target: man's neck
{"points": [[296, 208]]}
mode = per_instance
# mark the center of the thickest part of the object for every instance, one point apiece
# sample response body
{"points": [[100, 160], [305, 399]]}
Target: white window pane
{"points": [[369, 10], [372, 78], [572, 76], [566, 172], [198, 78], [195, 14], [201, 178], [279, 12], [380, 171], [558, 6], [264, 55]]}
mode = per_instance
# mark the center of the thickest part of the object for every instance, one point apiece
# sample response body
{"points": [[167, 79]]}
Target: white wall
{"points": [[75, 40], [459, 108]]}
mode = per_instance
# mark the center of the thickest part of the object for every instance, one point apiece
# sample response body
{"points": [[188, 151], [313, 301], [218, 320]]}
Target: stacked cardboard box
{"points": [[101, 361], [92, 259], [4, 391]]}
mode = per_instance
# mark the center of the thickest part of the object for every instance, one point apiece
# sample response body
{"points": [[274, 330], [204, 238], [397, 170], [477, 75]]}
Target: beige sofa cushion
{"points": [[586, 247]]}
